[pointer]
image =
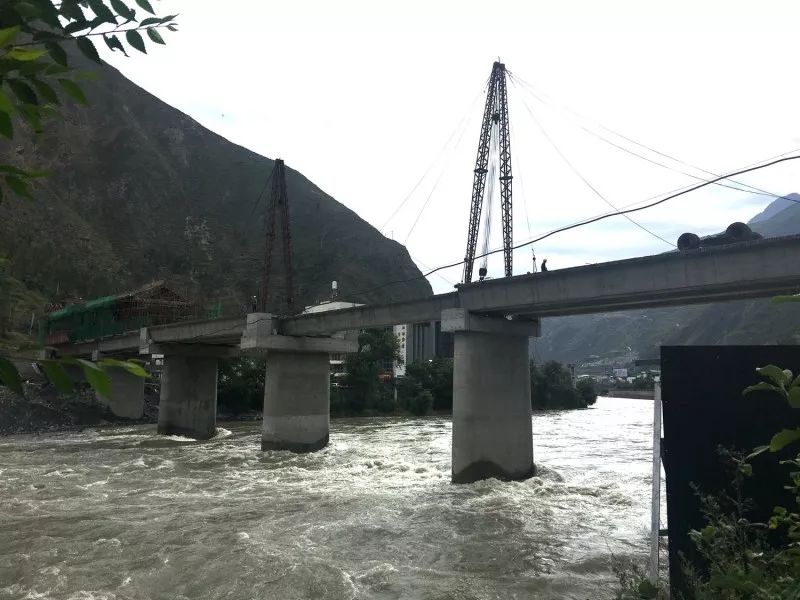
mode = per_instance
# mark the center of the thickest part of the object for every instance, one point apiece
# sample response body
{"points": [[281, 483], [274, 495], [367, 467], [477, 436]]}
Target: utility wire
{"points": [[580, 175], [438, 179], [576, 225], [752, 189], [461, 125], [591, 220]]}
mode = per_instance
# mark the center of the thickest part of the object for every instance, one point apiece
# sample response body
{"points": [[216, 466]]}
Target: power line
{"points": [[580, 175], [461, 125], [752, 189], [591, 220], [438, 179], [693, 188]]}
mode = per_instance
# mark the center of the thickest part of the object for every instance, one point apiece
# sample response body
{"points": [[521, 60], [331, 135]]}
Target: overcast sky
{"points": [[364, 98]]}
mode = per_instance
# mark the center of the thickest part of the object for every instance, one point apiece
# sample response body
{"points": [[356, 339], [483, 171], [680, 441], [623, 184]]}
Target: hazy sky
{"points": [[362, 97]]}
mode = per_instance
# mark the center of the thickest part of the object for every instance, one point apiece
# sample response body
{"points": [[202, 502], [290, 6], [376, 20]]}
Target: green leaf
{"points": [[794, 397], [74, 91], [58, 376], [25, 54], [113, 43], [131, 367], [775, 374], [102, 12], [123, 10], [71, 10], [97, 378], [45, 91], [26, 9], [172, 28], [23, 91], [33, 115], [146, 5], [86, 46], [5, 103], [6, 128], [783, 438], [647, 590], [76, 26], [150, 21], [757, 451], [57, 53], [761, 386], [155, 36], [8, 35], [18, 186], [782, 299], [9, 376], [135, 40]]}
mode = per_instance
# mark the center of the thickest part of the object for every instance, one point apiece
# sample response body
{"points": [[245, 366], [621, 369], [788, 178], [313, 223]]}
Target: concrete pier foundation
{"points": [[188, 404], [296, 401], [127, 394], [492, 433], [297, 386]]}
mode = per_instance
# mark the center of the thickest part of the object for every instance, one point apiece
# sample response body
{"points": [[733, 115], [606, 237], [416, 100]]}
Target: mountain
{"points": [[615, 339], [139, 191], [776, 206]]}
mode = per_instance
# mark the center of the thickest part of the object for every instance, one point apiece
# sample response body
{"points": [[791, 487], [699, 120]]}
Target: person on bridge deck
{"points": [[544, 266]]}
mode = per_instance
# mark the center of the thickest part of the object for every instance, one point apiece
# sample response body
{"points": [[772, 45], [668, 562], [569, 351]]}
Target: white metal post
{"points": [[655, 514]]}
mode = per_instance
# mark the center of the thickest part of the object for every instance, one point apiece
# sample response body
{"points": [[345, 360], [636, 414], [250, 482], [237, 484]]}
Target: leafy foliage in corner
{"points": [[784, 383], [35, 75], [97, 374]]}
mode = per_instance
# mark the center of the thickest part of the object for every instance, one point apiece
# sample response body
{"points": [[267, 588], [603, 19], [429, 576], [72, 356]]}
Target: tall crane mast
{"points": [[277, 289], [495, 113]]}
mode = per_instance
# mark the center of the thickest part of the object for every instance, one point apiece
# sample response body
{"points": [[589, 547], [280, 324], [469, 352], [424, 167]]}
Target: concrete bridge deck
{"points": [[491, 321]]}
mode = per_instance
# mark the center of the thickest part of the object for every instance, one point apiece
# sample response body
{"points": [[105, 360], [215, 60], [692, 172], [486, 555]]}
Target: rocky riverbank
{"points": [[44, 410]]}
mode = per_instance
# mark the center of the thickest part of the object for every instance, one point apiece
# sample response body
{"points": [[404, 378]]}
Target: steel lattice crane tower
{"points": [[495, 112], [277, 291]]}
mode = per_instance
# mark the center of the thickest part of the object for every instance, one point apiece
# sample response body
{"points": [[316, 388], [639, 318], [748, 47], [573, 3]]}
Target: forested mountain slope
{"points": [[137, 191], [616, 338]]}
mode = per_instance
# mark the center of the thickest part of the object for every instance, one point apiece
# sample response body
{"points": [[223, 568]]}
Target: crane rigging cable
{"points": [[769, 163], [529, 88], [488, 197], [460, 126], [692, 188], [580, 176]]}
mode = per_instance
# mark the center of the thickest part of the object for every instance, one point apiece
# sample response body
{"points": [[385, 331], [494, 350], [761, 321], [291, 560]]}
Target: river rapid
{"points": [[121, 513]]}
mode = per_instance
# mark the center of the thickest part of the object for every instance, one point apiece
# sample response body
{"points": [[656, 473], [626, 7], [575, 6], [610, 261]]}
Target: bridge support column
{"points": [[297, 385], [297, 394], [127, 394], [188, 404], [492, 433]]}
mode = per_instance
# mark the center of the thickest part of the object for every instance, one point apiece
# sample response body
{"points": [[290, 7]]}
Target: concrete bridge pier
{"points": [[127, 394], [492, 433], [188, 403], [297, 385], [297, 391]]}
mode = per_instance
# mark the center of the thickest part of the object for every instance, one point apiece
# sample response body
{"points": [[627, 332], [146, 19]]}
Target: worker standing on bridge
{"points": [[544, 266]]}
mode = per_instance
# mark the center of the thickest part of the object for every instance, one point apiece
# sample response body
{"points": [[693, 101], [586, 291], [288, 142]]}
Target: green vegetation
{"points": [[368, 388], [35, 72], [240, 385], [35, 77], [552, 388], [427, 385]]}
